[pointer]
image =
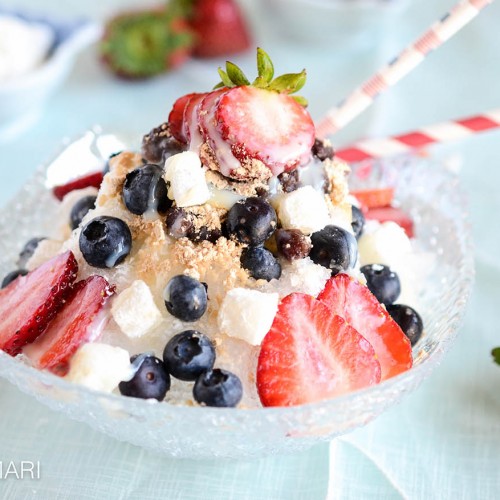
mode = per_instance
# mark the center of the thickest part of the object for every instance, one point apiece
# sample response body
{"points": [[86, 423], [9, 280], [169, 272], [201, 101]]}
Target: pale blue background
{"points": [[442, 442]]}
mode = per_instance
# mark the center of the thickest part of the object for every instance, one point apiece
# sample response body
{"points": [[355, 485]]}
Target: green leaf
{"points": [[496, 355], [260, 83], [301, 100], [236, 75], [265, 66], [225, 78], [289, 83], [218, 86]]}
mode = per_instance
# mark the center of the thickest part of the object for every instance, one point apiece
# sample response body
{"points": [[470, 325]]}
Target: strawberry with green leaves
{"points": [[243, 121], [143, 44]]}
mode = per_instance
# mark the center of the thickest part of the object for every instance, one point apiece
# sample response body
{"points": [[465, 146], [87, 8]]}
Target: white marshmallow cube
{"points": [[304, 209], [135, 311], [186, 176], [247, 314], [100, 366]]}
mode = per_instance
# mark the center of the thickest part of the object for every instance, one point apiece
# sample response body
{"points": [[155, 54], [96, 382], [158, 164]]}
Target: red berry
{"points": [[176, 117], [310, 355], [29, 303], [206, 116], [351, 300], [219, 27], [191, 127], [374, 198], [72, 326], [266, 125], [89, 180], [386, 214]]}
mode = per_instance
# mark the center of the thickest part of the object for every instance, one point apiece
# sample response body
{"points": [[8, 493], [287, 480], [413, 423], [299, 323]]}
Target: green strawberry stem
{"points": [[288, 83]]}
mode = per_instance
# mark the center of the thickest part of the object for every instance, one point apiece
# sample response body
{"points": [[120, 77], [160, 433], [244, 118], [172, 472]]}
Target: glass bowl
{"points": [[423, 187]]}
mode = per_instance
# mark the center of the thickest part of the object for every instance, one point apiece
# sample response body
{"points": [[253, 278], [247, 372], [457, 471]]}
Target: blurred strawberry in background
{"points": [[142, 44]]}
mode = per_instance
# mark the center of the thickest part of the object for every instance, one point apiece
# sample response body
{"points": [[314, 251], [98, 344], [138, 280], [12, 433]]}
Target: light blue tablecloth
{"points": [[441, 442]]}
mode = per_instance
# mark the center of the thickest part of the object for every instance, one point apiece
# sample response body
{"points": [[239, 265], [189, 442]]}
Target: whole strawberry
{"points": [[220, 28], [143, 44]]}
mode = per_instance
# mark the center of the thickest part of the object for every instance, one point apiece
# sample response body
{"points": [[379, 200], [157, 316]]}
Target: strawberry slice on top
{"points": [[176, 117], [30, 302], [191, 128], [346, 297], [76, 323], [266, 125], [310, 355]]}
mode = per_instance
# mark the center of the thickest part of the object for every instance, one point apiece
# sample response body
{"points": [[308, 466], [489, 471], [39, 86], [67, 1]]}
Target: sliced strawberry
{"points": [[310, 355], [266, 125], [73, 326], [385, 214], [351, 300], [191, 128], [176, 117], [206, 115], [30, 302], [89, 180], [219, 27], [374, 198]]}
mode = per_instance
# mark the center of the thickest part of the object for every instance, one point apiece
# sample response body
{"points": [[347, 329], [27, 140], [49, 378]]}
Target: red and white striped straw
{"points": [[408, 59], [443, 132]]}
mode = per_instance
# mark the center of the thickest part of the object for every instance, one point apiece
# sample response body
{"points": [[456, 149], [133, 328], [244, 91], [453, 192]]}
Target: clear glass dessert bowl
{"points": [[424, 188]]}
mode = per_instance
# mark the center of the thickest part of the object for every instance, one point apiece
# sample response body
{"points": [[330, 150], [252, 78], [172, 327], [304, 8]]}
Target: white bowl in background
{"points": [[349, 24], [23, 98]]}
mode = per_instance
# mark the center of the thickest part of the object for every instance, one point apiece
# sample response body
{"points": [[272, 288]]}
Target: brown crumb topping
{"points": [[248, 180], [336, 173], [119, 167], [200, 259]]}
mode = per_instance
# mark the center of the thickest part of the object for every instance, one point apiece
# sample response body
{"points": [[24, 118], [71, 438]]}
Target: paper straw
{"points": [[408, 59], [442, 132]]}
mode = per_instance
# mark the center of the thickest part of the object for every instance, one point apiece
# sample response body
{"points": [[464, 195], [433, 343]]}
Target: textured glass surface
{"points": [[424, 188]]}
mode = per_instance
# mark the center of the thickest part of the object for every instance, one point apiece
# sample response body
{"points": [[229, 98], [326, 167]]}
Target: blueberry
{"points": [[260, 263], [408, 319], [251, 221], [28, 251], [185, 298], [105, 241], [358, 222], [292, 244], [145, 190], [80, 210], [382, 282], [189, 354], [218, 388], [151, 379], [9, 278], [334, 248], [158, 145]]}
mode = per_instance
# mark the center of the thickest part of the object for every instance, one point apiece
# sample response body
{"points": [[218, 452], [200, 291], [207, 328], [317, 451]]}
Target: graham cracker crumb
{"points": [[336, 174], [119, 167], [250, 179], [223, 256]]}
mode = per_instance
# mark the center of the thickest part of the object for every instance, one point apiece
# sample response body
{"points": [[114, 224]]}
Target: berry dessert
{"points": [[225, 265]]}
